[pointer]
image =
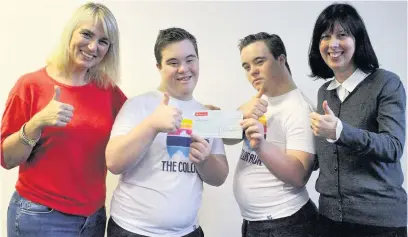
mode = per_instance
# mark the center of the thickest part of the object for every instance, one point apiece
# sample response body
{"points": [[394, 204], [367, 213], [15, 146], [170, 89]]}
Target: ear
{"points": [[282, 60], [159, 67]]}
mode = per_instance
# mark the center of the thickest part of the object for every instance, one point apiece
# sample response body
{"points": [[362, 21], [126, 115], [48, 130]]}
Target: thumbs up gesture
{"points": [[324, 125], [256, 107], [55, 113], [165, 118]]}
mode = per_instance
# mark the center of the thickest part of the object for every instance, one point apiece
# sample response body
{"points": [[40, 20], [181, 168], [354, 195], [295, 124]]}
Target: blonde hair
{"points": [[106, 72]]}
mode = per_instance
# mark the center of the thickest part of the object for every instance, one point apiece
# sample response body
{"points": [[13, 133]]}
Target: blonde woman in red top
{"points": [[55, 128]]}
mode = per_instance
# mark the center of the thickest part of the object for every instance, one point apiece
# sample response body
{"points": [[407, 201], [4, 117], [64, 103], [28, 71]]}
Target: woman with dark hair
{"points": [[360, 131]]}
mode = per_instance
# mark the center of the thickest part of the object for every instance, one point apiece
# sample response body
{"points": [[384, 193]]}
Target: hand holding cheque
{"points": [[254, 111], [218, 124], [215, 123], [229, 124]]}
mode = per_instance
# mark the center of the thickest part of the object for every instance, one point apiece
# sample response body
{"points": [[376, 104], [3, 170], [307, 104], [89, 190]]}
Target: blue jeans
{"points": [[300, 224], [29, 219]]}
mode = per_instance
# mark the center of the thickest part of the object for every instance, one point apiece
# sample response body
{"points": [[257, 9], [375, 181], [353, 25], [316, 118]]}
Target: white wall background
{"points": [[30, 29]]}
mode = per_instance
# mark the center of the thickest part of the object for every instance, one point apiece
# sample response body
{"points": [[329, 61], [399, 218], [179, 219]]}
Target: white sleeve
{"points": [[131, 114], [299, 135], [218, 147], [339, 128]]}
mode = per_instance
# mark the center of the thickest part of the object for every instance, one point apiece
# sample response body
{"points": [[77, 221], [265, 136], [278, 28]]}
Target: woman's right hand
{"points": [[55, 113]]}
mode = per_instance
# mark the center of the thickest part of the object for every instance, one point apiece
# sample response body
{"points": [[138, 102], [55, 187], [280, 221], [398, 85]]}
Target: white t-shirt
{"points": [[260, 195], [161, 194]]}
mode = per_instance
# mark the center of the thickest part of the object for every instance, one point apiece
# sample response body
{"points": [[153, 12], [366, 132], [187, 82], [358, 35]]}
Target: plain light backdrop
{"points": [[30, 30]]}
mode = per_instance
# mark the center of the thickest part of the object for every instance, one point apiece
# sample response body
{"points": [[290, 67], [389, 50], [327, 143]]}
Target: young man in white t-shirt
{"points": [[270, 177], [161, 162]]}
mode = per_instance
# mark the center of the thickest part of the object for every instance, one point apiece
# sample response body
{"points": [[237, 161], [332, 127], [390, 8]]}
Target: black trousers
{"points": [[329, 228], [114, 230], [300, 224]]}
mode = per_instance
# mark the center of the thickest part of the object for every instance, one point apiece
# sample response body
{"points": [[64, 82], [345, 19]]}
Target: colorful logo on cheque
{"points": [[178, 142]]}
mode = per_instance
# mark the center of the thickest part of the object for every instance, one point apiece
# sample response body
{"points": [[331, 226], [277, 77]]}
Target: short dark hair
{"points": [[347, 16], [169, 36], [273, 42]]}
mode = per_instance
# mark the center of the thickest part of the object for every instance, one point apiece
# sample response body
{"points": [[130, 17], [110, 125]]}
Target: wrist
{"points": [[335, 133], [260, 147], [29, 136], [151, 124], [202, 163], [35, 124], [33, 129]]}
